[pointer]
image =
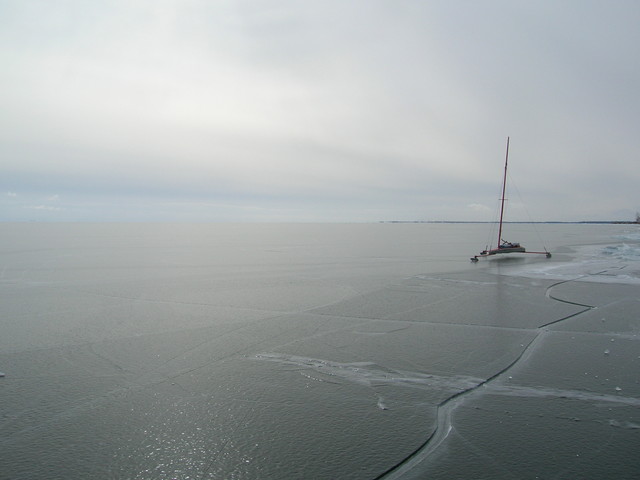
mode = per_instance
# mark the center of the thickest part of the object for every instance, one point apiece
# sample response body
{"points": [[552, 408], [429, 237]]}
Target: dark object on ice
{"points": [[503, 245]]}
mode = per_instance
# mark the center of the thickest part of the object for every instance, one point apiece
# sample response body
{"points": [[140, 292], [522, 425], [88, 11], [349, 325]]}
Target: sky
{"points": [[324, 111]]}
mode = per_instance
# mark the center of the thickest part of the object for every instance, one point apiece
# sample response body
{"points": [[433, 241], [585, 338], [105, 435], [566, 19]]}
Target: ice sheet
{"points": [[313, 352]]}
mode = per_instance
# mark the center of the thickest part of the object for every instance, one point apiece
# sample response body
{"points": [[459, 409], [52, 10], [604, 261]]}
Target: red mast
{"points": [[504, 188]]}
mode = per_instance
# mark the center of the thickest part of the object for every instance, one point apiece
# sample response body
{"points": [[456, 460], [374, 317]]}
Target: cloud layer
{"points": [[335, 111]]}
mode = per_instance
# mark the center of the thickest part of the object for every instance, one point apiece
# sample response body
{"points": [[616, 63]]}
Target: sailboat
{"points": [[504, 246]]}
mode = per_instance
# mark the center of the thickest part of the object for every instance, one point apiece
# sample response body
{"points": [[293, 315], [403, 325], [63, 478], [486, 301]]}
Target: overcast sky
{"points": [[332, 110]]}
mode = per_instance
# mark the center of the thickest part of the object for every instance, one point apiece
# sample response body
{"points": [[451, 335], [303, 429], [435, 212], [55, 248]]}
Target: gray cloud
{"points": [[318, 111]]}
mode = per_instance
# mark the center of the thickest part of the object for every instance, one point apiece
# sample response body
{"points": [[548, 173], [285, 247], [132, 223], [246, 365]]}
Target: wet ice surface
{"points": [[567, 403], [311, 351]]}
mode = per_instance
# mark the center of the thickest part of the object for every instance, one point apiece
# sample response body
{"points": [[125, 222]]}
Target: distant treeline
{"points": [[590, 222]]}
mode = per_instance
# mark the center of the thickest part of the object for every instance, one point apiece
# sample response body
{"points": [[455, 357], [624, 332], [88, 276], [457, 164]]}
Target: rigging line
{"points": [[494, 222], [526, 211], [494, 226]]}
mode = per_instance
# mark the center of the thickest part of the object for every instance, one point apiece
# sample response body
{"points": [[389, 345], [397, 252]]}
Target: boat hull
{"points": [[497, 251], [490, 253]]}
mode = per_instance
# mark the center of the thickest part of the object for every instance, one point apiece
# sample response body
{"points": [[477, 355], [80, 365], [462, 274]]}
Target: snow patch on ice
{"points": [[371, 374], [624, 424], [614, 263], [543, 392]]}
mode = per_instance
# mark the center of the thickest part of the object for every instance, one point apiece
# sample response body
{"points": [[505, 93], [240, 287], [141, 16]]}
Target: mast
{"points": [[504, 188]]}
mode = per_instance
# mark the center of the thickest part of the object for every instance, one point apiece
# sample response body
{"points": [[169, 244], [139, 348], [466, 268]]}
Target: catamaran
{"points": [[504, 246]]}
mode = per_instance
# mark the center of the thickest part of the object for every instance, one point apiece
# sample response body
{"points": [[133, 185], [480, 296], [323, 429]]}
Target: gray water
{"points": [[244, 351]]}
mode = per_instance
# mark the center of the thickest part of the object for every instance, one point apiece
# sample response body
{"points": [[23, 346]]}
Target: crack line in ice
{"points": [[444, 425], [445, 408]]}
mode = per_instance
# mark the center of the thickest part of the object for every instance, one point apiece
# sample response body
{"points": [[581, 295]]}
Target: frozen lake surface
{"points": [[364, 351]]}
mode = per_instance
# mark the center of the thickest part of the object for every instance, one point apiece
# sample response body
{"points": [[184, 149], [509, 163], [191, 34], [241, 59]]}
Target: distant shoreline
{"points": [[585, 222]]}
